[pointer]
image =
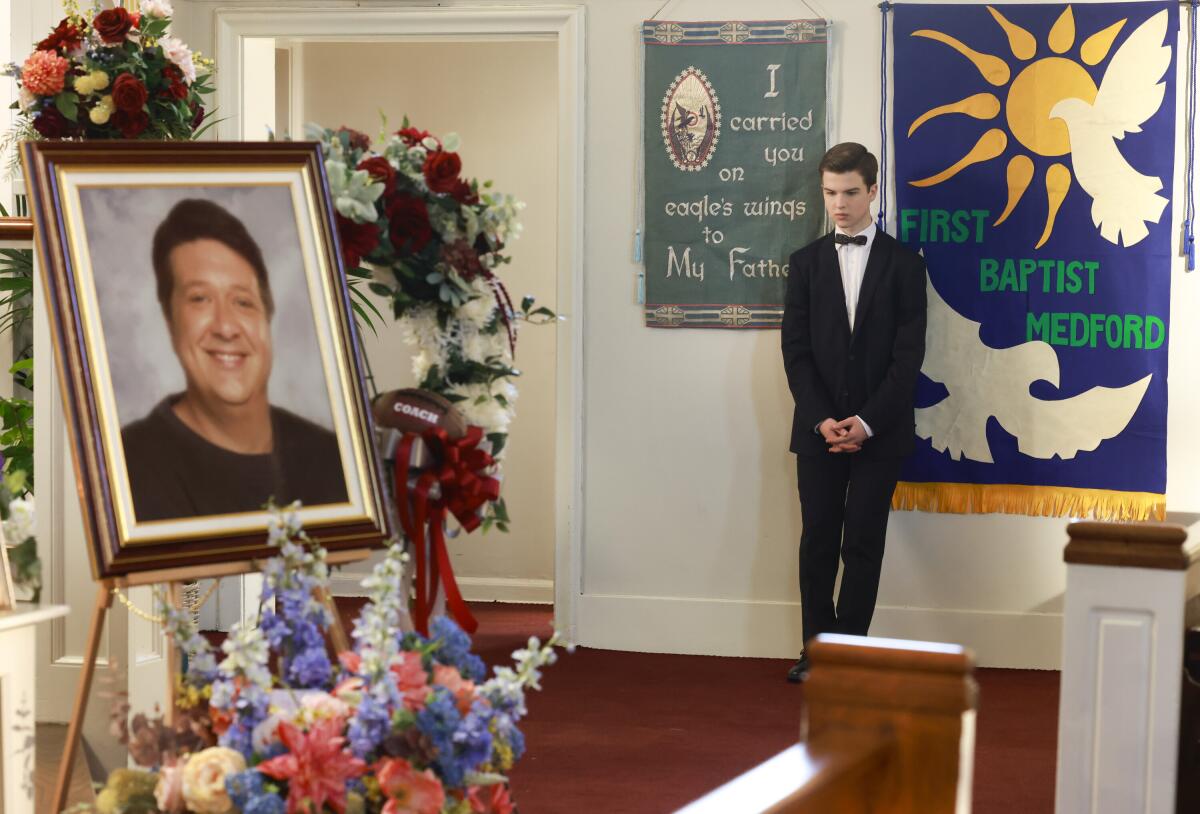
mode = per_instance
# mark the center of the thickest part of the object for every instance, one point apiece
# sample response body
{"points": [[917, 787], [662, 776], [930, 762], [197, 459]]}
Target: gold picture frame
{"points": [[161, 487]]}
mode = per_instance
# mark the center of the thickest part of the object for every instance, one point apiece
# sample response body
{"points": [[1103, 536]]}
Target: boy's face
{"points": [[848, 199]]}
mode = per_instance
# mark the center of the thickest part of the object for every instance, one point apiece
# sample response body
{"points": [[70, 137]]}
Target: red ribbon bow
{"points": [[462, 492]]}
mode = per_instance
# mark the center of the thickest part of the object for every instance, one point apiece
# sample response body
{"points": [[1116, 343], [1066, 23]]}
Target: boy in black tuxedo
{"points": [[853, 340]]}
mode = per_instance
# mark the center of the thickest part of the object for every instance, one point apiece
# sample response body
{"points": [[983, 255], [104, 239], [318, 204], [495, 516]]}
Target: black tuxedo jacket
{"points": [[869, 370]]}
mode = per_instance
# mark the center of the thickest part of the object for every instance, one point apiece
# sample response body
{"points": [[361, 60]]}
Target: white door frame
{"points": [[565, 26]]}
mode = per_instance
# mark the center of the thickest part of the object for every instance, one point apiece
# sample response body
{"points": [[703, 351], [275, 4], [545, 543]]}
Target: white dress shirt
{"points": [[852, 259]]}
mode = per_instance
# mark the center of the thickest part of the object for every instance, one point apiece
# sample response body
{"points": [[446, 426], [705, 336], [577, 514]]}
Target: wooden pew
{"points": [[1123, 633], [887, 727]]}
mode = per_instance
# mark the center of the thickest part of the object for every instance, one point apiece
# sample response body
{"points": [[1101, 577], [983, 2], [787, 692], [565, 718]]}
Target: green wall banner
{"points": [[734, 129]]}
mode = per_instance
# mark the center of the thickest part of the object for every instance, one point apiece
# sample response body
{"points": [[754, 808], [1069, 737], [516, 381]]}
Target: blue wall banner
{"points": [[734, 128], [1034, 154]]}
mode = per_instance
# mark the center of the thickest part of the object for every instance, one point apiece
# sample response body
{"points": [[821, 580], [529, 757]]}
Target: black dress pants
{"points": [[844, 500]]}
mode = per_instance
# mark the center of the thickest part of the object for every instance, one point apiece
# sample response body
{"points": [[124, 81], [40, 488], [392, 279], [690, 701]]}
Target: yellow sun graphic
{"points": [[1035, 91]]}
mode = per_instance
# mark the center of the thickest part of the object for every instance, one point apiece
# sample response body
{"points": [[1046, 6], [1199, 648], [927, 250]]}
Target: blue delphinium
{"points": [[294, 627], [265, 804], [309, 668], [472, 740], [454, 648], [248, 795], [244, 785], [439, 721], [507, 731], [370, 723]]}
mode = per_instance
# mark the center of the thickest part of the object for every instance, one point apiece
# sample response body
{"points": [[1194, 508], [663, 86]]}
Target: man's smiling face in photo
{"points": [[220, 326]]}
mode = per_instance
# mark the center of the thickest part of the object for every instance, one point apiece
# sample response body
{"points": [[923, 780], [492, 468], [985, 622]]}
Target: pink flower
{"points": [[44, 72], [349, 690], [490, 799], [411, 679], [408, 791], [321, 706], [351, 662], [168, 794], [462, 690], [316, 767]]}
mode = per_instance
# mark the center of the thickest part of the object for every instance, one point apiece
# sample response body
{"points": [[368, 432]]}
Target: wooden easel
{"points": [[173, 577]]}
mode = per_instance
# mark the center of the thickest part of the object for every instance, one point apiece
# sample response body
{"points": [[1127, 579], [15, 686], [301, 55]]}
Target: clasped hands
{"points": [[846, 435]]}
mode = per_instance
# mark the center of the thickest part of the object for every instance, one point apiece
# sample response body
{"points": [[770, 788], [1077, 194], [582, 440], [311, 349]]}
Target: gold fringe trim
{"points": [[1041, 501]]}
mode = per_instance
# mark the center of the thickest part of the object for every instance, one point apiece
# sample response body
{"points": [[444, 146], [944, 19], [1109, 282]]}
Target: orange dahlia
{"points": [[43, 73]]}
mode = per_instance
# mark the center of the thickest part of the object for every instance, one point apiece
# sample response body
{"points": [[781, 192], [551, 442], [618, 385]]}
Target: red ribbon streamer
{"points": [[506, 308], [463, 492]]}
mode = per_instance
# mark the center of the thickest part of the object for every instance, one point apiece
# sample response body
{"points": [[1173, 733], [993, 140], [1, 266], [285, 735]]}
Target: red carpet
{"points": [[639, 733]]}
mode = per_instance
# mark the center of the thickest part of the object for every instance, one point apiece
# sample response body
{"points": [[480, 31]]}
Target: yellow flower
{"points": [[106, 802], [99, 79], [204, 779], [100, 114], [124, 785]]}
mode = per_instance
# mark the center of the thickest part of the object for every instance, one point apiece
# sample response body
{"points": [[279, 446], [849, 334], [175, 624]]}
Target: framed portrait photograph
{"points": [[205, 346]]}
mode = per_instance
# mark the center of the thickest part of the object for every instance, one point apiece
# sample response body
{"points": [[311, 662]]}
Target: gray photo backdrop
{"points": [[120, 224]]}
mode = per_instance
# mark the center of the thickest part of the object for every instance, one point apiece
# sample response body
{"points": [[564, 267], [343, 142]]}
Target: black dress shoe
{"points": [[798, 670]]}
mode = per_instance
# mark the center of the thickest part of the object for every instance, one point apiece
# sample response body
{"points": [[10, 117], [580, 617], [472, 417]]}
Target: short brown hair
{"points": [[199, 219], [850, 156]]}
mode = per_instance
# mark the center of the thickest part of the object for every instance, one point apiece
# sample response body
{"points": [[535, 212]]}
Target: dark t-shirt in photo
{"points": [[174, 473]]}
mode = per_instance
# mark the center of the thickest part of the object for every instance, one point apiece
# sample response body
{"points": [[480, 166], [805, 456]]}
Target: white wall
{"points": [[499, 98], [690, 516]]}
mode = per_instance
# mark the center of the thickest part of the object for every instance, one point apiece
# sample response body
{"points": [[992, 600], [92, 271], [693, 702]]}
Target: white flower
{"points": [[445, 223], [478, 310], [421, 364], [429, 143], [176, 51], [25, 99], [19, 526], [480, 347], [204, 779], [157, 8], [451, 142], [354, 192]]}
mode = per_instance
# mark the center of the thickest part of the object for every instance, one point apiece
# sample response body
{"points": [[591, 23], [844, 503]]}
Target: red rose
{"points": [[462, 257], [441, 171], [412, 136], [464, 194], [381, 170], [113, 24], [51, 124], [131, 125], [358, 141], [197, 114], [175, 87], [128, 93], [409, 223], [66, 37], [357, 239]]}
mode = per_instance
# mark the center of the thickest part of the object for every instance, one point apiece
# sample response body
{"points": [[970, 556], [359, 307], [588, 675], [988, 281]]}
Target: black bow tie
{"points": [[841, 239]]}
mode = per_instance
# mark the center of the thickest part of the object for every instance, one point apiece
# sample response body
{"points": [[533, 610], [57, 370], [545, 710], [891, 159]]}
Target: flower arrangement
{"points": [[403, 724], [17, 514], [430, 241], [112, 74]]}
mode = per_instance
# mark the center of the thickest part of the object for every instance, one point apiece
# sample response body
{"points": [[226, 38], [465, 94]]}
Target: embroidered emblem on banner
{"points": [[1053, 107], [691, 120]]}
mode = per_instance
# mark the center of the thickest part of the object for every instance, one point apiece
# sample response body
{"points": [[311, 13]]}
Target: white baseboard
{"points": [[715, 627], [474, 589], [346, 583], [502, 589]]}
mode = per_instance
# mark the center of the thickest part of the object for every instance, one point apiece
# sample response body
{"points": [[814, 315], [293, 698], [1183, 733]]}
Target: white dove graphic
{"points": [[1123, 199], [985, 382]]}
